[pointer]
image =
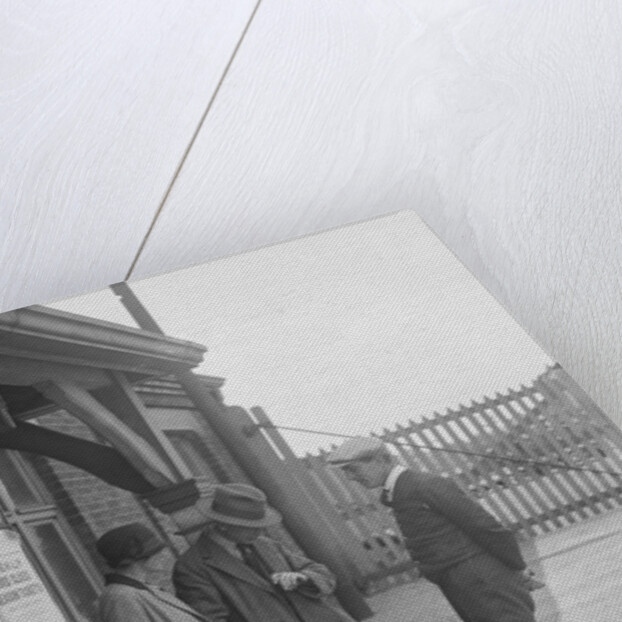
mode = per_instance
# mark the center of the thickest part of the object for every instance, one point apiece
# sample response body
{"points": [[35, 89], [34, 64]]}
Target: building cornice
{"points": [[50, 335]]}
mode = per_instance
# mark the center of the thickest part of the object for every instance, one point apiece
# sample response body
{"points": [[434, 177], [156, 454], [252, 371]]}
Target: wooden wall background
{"points": [[231, 125]]}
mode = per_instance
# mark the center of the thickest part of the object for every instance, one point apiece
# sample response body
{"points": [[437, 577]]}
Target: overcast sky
{"points": [[348, 331]]}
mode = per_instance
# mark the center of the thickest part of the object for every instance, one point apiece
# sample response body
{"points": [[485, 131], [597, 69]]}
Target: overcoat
{"points": [[128, 603], [442, 526], [475, 561], [225, 589]]}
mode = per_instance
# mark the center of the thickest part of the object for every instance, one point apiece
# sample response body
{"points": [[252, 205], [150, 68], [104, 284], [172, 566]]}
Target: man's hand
{"points": [[288, 580]]}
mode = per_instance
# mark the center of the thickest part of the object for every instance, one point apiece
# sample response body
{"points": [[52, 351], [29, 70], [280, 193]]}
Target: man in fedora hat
{"points": [[135, 555], [233, 573], [474, 560]]}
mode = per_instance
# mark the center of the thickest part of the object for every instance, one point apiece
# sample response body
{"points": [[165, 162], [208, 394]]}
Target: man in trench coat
{"points": [[235, 574], [474, 560]]}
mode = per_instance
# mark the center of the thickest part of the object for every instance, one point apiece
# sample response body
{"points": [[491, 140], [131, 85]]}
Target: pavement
{"points": [[581, 566]]}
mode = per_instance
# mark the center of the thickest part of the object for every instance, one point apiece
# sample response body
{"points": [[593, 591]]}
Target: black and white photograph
{"points": [[344, 426]]}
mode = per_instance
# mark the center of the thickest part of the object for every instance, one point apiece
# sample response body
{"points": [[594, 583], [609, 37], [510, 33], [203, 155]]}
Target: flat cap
{"points": [[358, 448]]}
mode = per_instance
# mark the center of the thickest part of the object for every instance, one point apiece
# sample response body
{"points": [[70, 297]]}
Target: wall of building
{"points": [[88, 504]]}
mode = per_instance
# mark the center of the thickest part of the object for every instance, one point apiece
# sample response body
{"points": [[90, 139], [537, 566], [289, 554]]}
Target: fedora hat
{"points": [[239, 504]]}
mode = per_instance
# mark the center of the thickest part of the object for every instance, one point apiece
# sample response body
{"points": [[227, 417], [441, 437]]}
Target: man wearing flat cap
{"points": [[474, 560], [233, 573], [135, 555]]}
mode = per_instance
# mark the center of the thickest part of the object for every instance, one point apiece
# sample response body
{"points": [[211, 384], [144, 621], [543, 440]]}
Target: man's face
{"points": [[370, 473]]}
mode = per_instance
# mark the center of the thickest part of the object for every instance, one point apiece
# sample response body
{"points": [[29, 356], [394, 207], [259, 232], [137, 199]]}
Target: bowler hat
{"points": [[239, 504], [128, 543], [357, 448]]}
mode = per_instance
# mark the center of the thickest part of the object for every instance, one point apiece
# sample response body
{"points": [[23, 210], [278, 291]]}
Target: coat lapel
{"points": [[404, 484], [271, 555], [216, 556]]}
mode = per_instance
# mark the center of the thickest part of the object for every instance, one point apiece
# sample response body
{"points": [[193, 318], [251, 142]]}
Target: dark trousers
{"points": [[482, 589]]}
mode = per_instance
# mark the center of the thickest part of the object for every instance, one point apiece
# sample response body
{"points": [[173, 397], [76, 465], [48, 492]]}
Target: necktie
{"points": [[251, 559]]}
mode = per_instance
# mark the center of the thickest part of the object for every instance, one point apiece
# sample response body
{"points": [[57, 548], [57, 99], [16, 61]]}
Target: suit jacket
{"points": [[223, 588], [442, 526], [124, 603]]}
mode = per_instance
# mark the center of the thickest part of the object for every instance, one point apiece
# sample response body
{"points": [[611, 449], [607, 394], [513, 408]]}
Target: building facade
{"points": [[102, 424], [58, 509]]}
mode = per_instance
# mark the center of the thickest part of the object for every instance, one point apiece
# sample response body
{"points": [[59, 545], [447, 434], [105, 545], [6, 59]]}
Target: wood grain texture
{"points": [[98, 102], [499, 122]]}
